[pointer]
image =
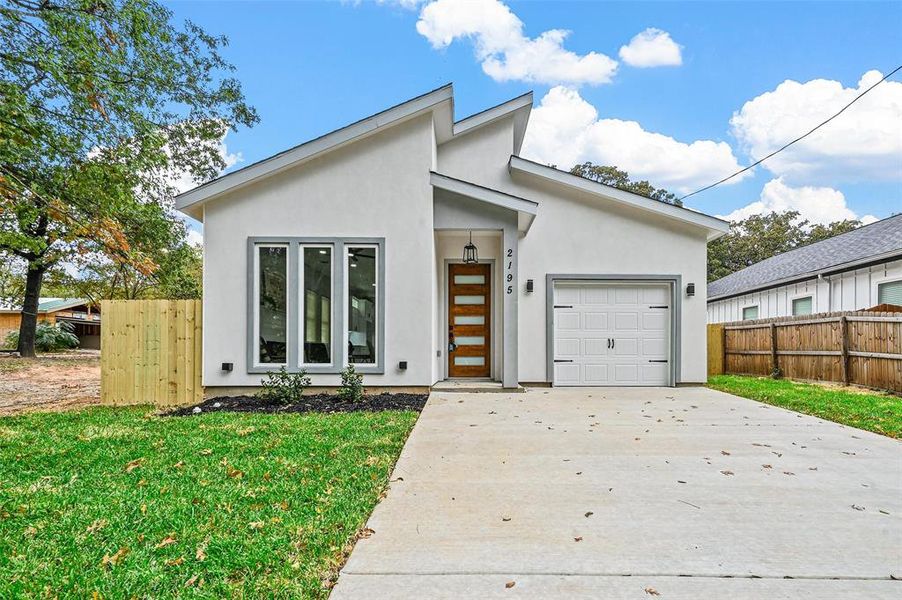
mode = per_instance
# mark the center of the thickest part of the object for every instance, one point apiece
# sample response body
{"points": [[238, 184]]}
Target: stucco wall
{"points": [[853, 290], [377, 187]]}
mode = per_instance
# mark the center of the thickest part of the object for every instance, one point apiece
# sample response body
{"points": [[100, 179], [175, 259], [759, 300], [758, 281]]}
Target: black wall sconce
{"points": [[227, 367], [402, 365], [529, 286], [690, 289]]}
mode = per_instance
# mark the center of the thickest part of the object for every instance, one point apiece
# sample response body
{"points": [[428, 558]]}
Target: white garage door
{"points": [[611, 333]]}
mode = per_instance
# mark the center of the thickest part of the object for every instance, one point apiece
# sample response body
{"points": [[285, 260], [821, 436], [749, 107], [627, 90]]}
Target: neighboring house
{"points": [[852, 271], [349, 249], [84, 317]]}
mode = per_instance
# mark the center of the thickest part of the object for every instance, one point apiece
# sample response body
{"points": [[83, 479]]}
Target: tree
{"points": [[614, 177], [759, 237], [100, 103]]}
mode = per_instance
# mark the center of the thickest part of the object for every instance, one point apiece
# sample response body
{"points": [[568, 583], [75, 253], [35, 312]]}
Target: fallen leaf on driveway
{"points": [[510, 584], [578, 539], [505, 519], [589, 514], [724, 452], [767, 466], [728, 472], [788, 473], [856, 507], [652, 591], [366, 532]]}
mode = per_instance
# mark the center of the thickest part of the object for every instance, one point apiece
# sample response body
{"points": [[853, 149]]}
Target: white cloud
{"points": [[182, 181], [565, 130], [652, 48], [864, 143], [505, 52], [195, 236], [816, 204]]}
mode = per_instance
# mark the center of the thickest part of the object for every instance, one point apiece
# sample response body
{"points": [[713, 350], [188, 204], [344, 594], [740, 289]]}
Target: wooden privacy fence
{"points": [[860, 348], [150, 352]]}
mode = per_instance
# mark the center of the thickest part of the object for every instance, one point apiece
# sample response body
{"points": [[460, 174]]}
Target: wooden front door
{"points": [[469, 322]]}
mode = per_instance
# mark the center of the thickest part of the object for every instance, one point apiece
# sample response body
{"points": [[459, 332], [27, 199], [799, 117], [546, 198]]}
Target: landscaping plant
{"points": [[351, 385], [48, 337], [284, 387]]}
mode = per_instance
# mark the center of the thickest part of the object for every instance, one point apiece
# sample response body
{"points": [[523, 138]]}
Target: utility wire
{"points": [[801, 137]]}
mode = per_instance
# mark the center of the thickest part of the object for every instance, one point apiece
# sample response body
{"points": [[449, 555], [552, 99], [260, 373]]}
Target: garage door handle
{"points": [[557, 360], [659, 306], [563, 306], [661, 361]]}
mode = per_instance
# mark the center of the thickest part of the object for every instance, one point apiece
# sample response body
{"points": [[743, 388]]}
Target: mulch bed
{"points": [[320, 403]]}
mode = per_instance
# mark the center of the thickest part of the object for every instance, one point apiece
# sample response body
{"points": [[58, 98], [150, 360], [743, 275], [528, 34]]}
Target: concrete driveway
{"points": [[632, 493]]}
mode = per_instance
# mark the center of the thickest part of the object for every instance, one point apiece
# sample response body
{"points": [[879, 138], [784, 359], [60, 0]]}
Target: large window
{"points": [[316, 278], [890, 292], [315, 304], [802, 306], [272, 304], [362, 303]]}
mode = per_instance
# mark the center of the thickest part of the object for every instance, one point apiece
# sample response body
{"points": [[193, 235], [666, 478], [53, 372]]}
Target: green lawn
{"points": [[880, 413], [118, 503]]}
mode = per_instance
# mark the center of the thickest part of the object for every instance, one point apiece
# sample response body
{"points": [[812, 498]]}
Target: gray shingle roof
{"points": [[876, 239]]}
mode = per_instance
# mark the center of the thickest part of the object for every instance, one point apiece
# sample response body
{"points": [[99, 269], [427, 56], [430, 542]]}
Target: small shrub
{"points": [[351, 388], [48, 337], [284, 387]]}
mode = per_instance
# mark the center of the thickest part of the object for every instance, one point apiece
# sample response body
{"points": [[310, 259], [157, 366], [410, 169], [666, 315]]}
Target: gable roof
{"points": [[876, 242], [526, 209], [716, 227], [439, 101], [47, 305]]}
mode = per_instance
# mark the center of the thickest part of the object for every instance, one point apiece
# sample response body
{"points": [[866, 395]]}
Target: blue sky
{"points": [[310, 67]]}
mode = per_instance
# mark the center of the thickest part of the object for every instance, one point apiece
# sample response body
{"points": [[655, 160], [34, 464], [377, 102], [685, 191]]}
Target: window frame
{"points": [[794, 299], [757, 312], [302, 305], [295, 319], [883, 281], [254, 341]]}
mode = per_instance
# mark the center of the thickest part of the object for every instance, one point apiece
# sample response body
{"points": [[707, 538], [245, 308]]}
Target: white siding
{"points": [[852, 290]]}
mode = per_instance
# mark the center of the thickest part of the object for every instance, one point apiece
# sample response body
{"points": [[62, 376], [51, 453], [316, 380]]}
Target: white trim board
{"points": [[716, 227]]}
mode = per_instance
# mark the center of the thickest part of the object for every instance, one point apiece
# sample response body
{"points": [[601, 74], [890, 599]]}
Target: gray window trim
{"points": [[339, 313], [676, 287], [757, 308], [792, 304]]}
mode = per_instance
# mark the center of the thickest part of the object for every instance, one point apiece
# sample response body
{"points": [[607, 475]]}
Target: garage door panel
{"points": [[595, 321], [595, 374], [636, 316], [566, 347], [626, 321]]}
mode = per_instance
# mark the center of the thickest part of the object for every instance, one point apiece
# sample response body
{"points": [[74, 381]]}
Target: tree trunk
{"points": [[33, 281]]}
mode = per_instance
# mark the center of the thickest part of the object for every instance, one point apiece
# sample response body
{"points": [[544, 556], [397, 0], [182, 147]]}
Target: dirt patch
{"points": [[320, 403], [49, 382]]}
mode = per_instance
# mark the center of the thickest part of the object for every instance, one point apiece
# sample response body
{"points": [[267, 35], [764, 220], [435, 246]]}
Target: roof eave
{"points": [[188, 202], [526, 209], [519, 107], [715, 227]]}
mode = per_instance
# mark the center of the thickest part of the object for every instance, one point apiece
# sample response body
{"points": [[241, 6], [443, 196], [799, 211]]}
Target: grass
{"points": [[873, 411], [118, 503]]}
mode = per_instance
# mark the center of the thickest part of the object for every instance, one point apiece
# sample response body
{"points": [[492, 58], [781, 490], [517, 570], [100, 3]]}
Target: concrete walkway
{"points": [[629, 493]]}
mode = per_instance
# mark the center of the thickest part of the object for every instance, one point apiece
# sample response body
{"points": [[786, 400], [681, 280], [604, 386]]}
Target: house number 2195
{"points": [[509, 271]]}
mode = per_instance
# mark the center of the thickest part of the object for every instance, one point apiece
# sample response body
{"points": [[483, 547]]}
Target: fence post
{"points": [[775, 366], [844, 337]]}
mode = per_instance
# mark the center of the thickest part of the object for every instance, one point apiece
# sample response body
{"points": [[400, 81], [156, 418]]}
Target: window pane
{"points": [[272, 303], [750, 312], [471, 340], [469, 299], [469, 279], [362, 305], [317, 306], [467, 320], [469, 361], [801, 306], [890, 293]]}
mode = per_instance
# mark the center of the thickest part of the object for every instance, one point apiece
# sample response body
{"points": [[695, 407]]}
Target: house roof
{"points": [[716, 227], [526, 209], [440, 101], [46, 305], [878, 241]]}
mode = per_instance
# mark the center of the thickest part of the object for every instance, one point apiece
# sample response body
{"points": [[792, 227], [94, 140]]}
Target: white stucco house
{"points": [[853, 271], [349, 248]]}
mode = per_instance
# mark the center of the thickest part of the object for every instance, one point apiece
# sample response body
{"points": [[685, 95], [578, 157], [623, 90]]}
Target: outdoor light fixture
{"points": [[529, 286], [227, 367], [690, 289], [471, 254]]}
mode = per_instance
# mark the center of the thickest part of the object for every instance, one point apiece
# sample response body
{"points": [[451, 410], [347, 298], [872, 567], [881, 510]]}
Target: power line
{"points": [[801, 137]]}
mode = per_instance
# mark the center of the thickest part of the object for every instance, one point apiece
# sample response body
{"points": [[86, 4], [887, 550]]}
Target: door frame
{"points": [[676, 288], [496, 361]]}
